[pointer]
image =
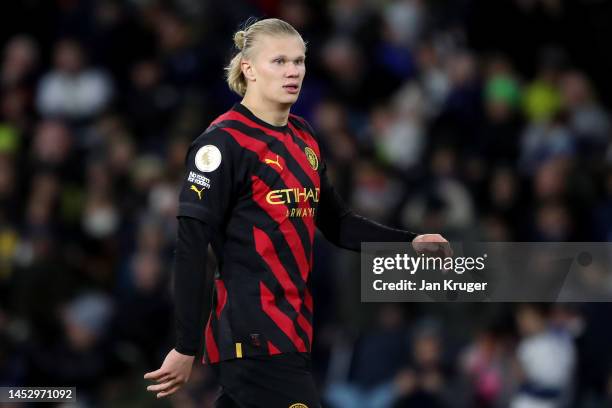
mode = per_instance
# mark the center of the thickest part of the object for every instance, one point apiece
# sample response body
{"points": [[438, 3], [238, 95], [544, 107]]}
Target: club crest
{"points": [[312, 158]]}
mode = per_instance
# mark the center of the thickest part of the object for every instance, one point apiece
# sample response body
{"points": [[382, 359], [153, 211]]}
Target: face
{"points": [[68, 57], [277, 68]]}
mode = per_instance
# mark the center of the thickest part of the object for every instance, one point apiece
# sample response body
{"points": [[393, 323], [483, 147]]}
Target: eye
{"points": [[299, 62], [279, 61]]}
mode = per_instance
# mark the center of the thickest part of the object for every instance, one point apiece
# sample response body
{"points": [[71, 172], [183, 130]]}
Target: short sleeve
{"points": [[209, 183]]}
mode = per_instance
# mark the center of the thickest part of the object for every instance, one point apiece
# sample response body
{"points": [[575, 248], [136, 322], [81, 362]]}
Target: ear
{"points": [[247, 70]]}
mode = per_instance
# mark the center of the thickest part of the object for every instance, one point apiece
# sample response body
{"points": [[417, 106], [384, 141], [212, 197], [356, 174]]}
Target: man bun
{"points": [[239, 39]]}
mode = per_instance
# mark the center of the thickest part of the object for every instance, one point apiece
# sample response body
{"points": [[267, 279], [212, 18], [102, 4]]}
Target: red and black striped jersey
{"points": [[263, 190]]}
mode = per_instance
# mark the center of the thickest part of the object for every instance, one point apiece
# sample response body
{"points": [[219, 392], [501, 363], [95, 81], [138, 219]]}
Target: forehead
{"points": [[290, 46]]}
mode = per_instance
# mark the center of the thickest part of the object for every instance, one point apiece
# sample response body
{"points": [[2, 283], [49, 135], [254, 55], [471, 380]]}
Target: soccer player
{"points": [[255, 189]]}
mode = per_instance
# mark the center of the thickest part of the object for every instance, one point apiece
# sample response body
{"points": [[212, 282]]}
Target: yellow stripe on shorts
{"points": [[238, 350]]}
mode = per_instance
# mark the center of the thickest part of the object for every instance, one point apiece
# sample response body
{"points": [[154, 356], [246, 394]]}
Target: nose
{"points": [[292, 71]]}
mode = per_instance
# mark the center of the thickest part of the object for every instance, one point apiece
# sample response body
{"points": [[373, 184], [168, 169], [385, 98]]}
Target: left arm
{"points": [[341, 226]]}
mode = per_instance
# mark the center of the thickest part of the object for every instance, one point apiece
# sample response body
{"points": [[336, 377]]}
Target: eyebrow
{"points": [[286, 57]]}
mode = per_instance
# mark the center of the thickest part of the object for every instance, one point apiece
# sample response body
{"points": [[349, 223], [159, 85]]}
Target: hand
{"points": [[171, 376], [432, 245]]}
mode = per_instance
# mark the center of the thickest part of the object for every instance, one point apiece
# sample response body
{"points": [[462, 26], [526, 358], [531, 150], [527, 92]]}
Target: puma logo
{"points": [[270, 161], [194, 188]]}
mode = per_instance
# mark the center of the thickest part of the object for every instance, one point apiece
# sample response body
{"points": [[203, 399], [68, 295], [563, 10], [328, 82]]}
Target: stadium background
{"points": [[481, 120]]}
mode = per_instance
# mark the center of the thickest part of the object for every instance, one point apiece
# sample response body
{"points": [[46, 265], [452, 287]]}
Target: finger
{"points": [[169, 392], [161, 387], [431, 247], [165, 378], [438, 251], [154, 375], [442, 251]]}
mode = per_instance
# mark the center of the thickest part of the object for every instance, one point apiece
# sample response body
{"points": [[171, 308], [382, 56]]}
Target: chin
{"points": [[283, 99], [291, 99]]}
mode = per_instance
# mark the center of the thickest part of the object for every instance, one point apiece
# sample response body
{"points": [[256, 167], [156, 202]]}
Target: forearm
{"points": [[352, 229], [342, 227], [192, 284]]}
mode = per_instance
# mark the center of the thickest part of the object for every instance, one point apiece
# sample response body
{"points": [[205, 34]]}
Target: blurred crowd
{"points": [[425, 125]]}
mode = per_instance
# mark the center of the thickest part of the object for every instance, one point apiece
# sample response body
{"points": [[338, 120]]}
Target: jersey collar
{"points": [[238, 107]]}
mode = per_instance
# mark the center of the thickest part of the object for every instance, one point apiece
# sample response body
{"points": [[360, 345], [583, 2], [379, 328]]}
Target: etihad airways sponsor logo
{"points": [[301, 212], [292, 195]]}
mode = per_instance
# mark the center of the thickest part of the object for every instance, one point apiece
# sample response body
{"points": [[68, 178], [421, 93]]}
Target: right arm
{"points": [[204, 200], [192, 299], [192, 284]]}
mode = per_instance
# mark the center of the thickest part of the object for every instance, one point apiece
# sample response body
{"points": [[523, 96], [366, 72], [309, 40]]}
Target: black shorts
{"points": [[279, 381]]}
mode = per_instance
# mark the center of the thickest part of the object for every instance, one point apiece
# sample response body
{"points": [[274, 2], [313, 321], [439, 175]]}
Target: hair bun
{"points": [[239, 39]]}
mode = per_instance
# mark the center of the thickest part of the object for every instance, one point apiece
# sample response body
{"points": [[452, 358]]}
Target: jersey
{"points": [[260, 187]]}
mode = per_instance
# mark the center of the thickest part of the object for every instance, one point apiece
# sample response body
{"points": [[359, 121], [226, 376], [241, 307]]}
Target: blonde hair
{"points": [[245, 39]]}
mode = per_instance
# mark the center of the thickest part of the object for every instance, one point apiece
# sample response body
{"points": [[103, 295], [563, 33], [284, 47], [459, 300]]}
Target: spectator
{"points": [[72, 90], [587, 119], [20, 62], [546, 361]]}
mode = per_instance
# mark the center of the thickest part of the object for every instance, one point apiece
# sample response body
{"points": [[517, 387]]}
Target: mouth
{"points": [[291, 88]]}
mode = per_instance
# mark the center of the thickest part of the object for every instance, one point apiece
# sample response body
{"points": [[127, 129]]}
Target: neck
{"points": [[273, 113]]}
